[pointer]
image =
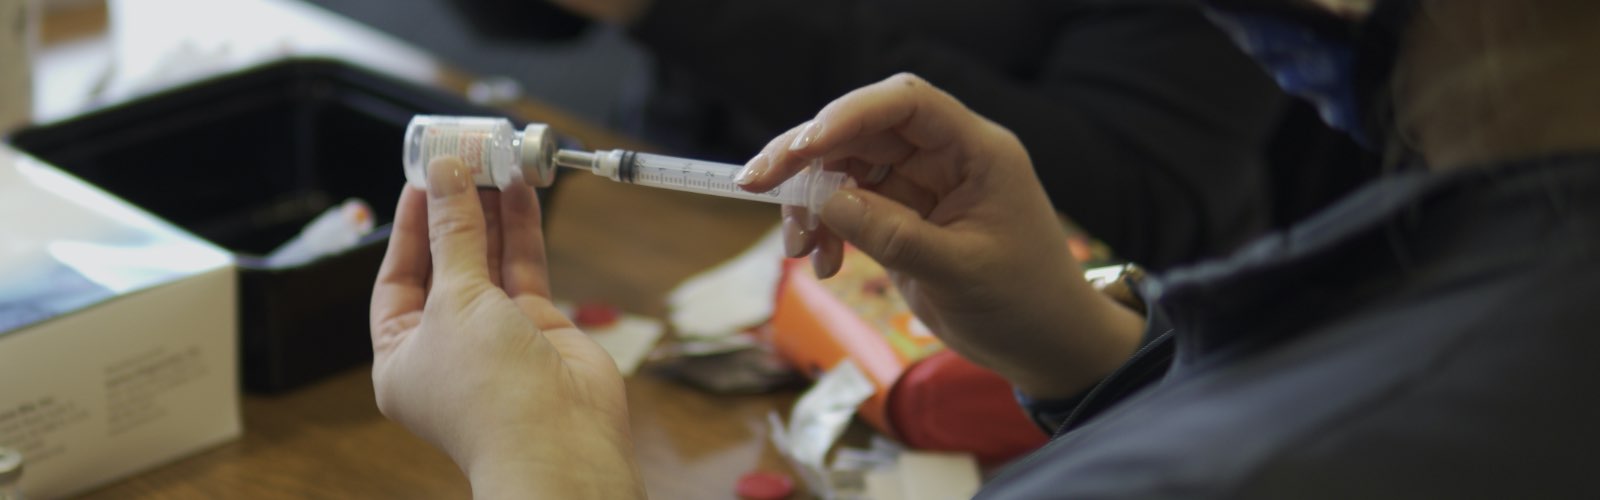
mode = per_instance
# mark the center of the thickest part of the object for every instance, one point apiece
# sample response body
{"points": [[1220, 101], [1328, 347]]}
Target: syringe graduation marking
{"points": [[681, 174]]}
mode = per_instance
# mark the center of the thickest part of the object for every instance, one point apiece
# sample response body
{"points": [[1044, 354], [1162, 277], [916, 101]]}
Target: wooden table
{"points": [[617, 243], [623, 244]]}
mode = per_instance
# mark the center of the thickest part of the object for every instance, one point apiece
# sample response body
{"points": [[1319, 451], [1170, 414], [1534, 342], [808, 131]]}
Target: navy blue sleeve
{"points": [[1051, 414]]}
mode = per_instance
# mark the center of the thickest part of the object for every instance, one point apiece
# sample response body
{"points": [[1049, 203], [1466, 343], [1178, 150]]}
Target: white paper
{"points": [[628, 341], [884, 484], [732, 297], [937, 476]]}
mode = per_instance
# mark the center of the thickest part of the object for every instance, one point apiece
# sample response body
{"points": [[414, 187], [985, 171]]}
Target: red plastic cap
{"points": [[946, 403], [596, 315], [761, 485]]}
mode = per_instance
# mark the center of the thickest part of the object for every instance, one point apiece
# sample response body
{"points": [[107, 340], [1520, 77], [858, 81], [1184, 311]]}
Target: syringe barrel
{"points": [[813, 186], [809, 188]]}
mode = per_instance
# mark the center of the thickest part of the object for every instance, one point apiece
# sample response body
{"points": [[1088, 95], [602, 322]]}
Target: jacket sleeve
{"points": [[1144, 123]]}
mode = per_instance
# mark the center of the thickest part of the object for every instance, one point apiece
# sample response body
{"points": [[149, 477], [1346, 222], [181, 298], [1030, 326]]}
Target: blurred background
{"points": [[587, 69], [591, 73]]}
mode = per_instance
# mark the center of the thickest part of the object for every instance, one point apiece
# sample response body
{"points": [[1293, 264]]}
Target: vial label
{"points": [[471, 146]]}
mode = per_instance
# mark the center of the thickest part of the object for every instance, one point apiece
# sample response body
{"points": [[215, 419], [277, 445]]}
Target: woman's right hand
{"points": [[964, 227]]}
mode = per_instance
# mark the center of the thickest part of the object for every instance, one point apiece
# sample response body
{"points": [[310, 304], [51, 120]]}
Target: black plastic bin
{"points": [[521, 20], [245, 161]]}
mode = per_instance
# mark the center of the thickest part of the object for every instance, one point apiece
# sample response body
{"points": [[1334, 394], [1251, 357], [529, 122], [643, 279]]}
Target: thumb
{"points": [[893, 234], [456, 230]]}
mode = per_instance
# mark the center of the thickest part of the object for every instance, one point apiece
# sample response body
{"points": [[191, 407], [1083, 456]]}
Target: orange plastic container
{"points": [[926, 396]]}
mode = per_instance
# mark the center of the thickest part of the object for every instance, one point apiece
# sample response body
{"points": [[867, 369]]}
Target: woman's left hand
{"points": [[471, 355]]}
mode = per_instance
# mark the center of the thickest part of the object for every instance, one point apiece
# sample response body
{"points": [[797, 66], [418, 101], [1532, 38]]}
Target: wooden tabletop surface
{"points": [[622, 244]]}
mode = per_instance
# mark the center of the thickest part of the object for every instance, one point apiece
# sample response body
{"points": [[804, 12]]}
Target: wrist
{"points": [[1104, 336], [558, 463]]}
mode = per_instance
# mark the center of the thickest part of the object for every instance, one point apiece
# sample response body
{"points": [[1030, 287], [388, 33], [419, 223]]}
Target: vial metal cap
{"points": [[10, 465], [538, 155]]}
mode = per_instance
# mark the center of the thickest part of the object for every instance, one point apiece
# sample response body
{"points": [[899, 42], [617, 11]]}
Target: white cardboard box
{"points": [[118, 334]]}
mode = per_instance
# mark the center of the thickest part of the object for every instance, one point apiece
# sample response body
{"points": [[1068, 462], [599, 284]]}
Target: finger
{"points": [[876, 174], [524, 269], [829, 255], [890, 182], [493, 231], [756, 175], [401, 287], [916, 111], [865, 173], [909, 194], [893, 234], [777, 163], [904, 105], [798, 235], [884, 148], [456, 230]]}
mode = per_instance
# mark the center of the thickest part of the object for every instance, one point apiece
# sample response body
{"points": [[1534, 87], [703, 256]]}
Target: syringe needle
{"points": [[572, 158]]}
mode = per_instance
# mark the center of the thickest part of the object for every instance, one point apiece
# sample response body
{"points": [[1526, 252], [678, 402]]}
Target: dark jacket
{"points": [[1145, 124], [1432, 336]]}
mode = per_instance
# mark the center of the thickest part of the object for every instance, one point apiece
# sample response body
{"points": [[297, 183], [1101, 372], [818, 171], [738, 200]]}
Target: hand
{"points": [[964, 228], [470, 354], [621, 12]]}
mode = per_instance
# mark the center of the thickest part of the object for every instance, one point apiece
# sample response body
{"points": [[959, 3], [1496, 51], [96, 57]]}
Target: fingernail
{"points": [[447, 177], [794, 237], [825, 263], [807, 135], [877, 174], [753, 169], [843, 212], [794, 242]]}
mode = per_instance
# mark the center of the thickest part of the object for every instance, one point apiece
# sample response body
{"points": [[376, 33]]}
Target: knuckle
{"points": [[1005, 135], [908, 79], [450, 225], [991, 141]]}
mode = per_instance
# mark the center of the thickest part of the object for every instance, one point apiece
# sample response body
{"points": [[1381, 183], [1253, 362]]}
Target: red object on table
{"points": [[596, 315], [945, 402], [760, 485], [926, 396]]}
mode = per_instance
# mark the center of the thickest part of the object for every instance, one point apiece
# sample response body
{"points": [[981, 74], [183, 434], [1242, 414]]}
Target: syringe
{"points": [[497, 155], [810, 188]]}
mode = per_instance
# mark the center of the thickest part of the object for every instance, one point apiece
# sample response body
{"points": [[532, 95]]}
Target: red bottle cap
{"points": [[760, 485], [596, 315]]}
